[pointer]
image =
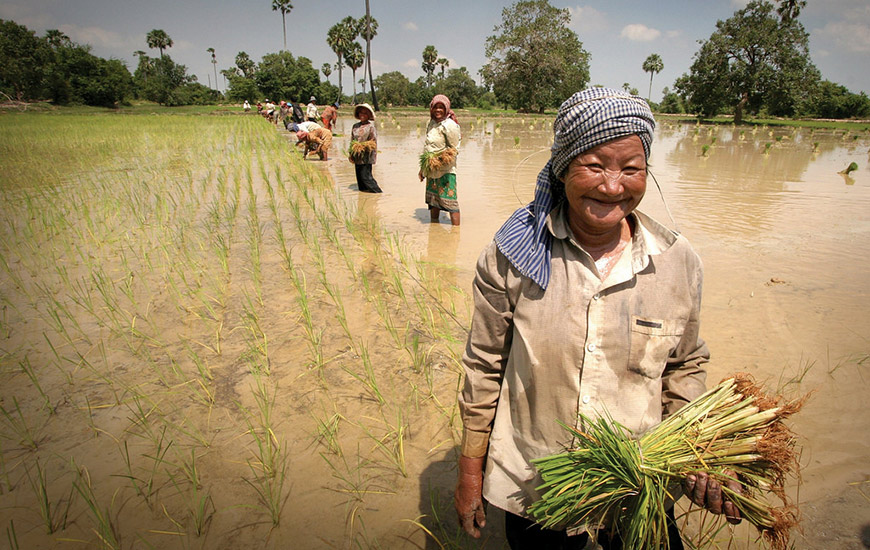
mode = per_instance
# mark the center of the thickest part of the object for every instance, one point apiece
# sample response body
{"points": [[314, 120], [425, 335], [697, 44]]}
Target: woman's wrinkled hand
{"points": [[707, 492], [468, 497]]}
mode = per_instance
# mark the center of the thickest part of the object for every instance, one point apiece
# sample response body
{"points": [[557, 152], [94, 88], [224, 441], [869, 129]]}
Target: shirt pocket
{"points": [[652, 342]]}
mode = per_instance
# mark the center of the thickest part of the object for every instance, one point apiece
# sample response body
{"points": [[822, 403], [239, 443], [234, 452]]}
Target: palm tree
{"points": [[214, 63], [339, 37], [284, 6], [368, 30], [326, 69], [157, 38], [444, 63], [430, 55], [355, 59], [652, 65]]}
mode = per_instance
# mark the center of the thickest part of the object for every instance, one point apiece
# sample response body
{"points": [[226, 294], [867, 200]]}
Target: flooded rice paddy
{"points": [[207, 342]]}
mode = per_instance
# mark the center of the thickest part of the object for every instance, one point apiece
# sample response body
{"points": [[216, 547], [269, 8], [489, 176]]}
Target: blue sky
{"points": [[618, 34]]}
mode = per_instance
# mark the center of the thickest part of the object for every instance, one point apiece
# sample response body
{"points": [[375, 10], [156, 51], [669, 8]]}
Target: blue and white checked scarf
{"points": [[588, 118]]}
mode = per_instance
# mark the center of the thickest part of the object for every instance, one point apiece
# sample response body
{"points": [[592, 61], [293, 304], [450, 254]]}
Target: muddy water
{"points": [[784, 237]]}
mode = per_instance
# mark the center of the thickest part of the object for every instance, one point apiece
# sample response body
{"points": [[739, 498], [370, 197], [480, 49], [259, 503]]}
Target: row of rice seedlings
{"points": [[145, 483], [198, 502], [54, 515], [392, 443], [269, 465], [104, 521], [26, 428]]}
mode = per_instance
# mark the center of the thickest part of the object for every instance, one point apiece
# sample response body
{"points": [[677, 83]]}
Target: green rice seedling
{"points": [[269, 473], [54, 516], [145, 486], [387, 319], [815, 147], [23, 432], [327, 432], [517, 139], [352, 477], [367, 378], [705, 150], [767, 147], [392, 443], [439, 530], [27, 369], [104, 527], [200, 505], [11, 536], [418, 354]]}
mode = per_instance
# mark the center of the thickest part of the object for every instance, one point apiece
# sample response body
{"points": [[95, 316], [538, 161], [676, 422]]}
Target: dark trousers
{"points": [[524, 534], [364, 179]]}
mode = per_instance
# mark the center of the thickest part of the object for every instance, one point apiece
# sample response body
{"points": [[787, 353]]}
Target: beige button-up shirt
{"points": [[628, 345]]}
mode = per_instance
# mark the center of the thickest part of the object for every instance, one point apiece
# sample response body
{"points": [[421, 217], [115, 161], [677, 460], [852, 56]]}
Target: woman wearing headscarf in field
{"points": [[581, 305], [363, 152], [316, 139], [438, 160]]}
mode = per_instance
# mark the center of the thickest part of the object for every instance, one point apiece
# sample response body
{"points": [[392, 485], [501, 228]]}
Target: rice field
{"points": [[202, 345]]}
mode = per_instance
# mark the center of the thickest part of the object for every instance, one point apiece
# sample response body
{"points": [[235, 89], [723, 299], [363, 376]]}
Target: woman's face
{"points": [[363, 115], [438, 111], [604, 185]]}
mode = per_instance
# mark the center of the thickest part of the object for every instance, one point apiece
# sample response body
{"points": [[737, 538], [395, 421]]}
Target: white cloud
{"points": [[851, 36], [639, 33], [411, 63], [96, 36], [587, 18], [674, 34], [410, 26]]}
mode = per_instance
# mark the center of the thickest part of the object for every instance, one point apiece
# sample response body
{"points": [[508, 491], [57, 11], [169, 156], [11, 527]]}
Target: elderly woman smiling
{"points": [[582, 305]]}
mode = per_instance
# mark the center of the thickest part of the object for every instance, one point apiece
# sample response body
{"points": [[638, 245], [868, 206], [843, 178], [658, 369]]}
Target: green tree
{"points": [[340, 37], [752, 61], [355, 59], [281, 76], [430, 57], [157, 38], [394, 87], [831, 100], [164, 82], [326, 69], [22, 59], [671, 102], [368, 29], [284, 6], [534, 60], [790, 9], [652, 65], [460, 88]]}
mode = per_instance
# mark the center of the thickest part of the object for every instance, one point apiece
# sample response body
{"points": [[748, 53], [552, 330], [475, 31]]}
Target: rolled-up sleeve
{"points": [[486, 351]]}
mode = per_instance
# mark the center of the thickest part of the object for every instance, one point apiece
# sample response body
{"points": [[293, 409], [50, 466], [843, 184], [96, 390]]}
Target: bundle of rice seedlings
{"points": [[431, 162], [359, 149], [612, 480]]}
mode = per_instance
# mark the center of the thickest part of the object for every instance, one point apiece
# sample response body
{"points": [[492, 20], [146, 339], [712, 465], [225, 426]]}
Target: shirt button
{"points": [[585, 399], [597, 296], [590, 347]]}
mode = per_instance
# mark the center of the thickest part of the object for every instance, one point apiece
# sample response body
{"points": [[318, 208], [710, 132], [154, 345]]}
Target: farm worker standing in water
{"points": [[311, 111], [438, 160], [581, 305], [329, 116], [364, 148]]}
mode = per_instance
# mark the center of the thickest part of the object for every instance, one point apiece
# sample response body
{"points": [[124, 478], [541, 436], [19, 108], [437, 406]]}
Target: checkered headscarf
{"points": [[588, 118]]}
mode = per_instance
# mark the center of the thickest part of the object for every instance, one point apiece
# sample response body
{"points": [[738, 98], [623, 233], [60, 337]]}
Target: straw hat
{"points": [[363, 106]]}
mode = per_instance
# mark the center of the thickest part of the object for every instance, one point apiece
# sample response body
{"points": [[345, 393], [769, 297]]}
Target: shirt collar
{"points": [[650, 237]]}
